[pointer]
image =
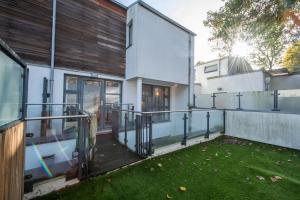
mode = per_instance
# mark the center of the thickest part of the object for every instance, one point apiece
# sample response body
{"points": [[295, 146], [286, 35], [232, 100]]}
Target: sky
{"points": [[191, 14]]}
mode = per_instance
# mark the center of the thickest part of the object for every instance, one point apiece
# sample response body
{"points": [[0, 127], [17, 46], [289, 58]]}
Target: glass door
{"points": [[92, 98], [96, 96]]}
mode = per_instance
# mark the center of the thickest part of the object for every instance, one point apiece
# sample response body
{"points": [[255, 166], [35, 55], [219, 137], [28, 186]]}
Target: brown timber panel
{"points": [[25, 25], [91, 36], [12, 162]]}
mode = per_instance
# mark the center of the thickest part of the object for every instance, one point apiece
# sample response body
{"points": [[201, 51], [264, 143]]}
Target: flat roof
{"points": [[158, 13]]}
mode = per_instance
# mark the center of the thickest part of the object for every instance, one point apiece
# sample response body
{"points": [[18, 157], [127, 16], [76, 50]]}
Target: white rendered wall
{"points": [[271, 128], [253, 81], [160, 50]]}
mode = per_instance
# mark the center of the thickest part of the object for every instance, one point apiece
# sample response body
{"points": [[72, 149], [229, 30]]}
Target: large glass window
{"points": [[11, 90], [112, 97], [156, 98]]}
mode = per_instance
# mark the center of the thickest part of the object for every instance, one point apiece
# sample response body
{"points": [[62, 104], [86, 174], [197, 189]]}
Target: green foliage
{"points": [[223, 169], [267, 25], [291, 58]]}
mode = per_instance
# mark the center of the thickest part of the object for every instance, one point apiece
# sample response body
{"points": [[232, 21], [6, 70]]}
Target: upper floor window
{"points": [[130, 33], [210, 68]]}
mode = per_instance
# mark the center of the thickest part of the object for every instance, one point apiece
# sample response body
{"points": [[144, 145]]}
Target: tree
{"points": [[291, 58], [267, 25]]}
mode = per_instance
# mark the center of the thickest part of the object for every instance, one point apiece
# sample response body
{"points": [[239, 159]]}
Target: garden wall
{"points": [[268, 127]]}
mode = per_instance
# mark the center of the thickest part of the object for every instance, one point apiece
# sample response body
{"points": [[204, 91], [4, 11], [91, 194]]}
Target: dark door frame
{"points": [[102, 91]]}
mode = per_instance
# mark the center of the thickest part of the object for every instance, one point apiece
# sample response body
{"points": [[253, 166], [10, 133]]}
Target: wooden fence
{"points": [[12, 162]]}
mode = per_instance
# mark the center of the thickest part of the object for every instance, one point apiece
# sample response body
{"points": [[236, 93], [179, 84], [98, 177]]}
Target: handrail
{"points": [[158, 112], [57, 117], [204, 109], [52, 104]]}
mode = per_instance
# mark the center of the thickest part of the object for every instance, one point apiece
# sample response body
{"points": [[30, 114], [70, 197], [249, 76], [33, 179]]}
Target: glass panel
{"points": [[91, 98], [70, 109], [257, 100], [169, 132], [112, 87], [228, 100], [71, 83], [110, 99], [204, 101], [167, 92], [52, 154], [11, 90], [71, 98], [289, 100]]}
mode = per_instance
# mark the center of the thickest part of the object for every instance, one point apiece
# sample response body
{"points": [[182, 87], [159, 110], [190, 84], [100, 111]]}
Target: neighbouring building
{"points": [[228, 74]]}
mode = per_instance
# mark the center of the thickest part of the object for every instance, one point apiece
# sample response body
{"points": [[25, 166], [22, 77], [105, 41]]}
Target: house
{"points": [[159, 74], [227, 74], [90, 55]]}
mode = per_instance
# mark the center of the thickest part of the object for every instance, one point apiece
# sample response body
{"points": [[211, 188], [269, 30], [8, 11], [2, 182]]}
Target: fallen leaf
{"points": [[159, 165], [217, 154], [169, 196], [182, 189], [289, 160], [276, 178], [260, 178], [151, 169]]}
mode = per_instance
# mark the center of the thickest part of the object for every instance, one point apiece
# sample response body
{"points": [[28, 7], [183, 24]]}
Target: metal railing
{"points": [[286, 101], [66, 148], [143, 135]]}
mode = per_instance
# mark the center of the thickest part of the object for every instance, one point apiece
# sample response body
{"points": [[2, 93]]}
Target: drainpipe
{"points": [[52, 51], [189, 68], [189, 86]]}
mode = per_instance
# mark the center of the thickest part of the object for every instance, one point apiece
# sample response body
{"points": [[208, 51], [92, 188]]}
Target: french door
{"points": [[95, 96]]}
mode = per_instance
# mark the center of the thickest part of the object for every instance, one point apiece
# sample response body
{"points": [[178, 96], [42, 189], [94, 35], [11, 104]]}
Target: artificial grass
{"points": [[225, 168]]}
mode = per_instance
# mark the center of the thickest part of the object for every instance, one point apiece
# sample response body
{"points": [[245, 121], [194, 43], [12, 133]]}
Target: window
{"points": [[130, 34], [156, 98], [210, 68]]}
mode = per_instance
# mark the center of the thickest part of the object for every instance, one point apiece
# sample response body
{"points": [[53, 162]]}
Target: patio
{"points": [[226, 168]]}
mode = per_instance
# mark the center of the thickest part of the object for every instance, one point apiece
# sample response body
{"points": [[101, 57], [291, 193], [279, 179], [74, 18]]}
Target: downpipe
{"points": [[52, 55]]}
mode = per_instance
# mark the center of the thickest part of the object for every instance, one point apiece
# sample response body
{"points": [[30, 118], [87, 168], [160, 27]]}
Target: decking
{"points": [[110, 155]]}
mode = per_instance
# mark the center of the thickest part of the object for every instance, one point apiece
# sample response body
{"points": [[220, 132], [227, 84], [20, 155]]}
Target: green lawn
{"points": [[222, 169]]}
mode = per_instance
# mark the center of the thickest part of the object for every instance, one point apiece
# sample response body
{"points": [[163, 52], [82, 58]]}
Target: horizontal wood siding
{"points": [[25, 26], [90, 37], [90, 34], [12, 163]]}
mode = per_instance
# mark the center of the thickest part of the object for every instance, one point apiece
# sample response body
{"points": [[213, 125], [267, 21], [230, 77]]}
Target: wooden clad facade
{"points": [[90, 34], [12, 162]]}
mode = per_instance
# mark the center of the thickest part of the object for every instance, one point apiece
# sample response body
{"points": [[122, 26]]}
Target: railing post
{"points": [[185, 129], [207, 130], [126, 125], [276, 107], [132, 117], [150, 136], [214, 100], [239, 98], [224, 122]]}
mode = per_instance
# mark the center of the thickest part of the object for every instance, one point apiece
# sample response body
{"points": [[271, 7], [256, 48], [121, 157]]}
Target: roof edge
{"points": [[119, 4]]}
